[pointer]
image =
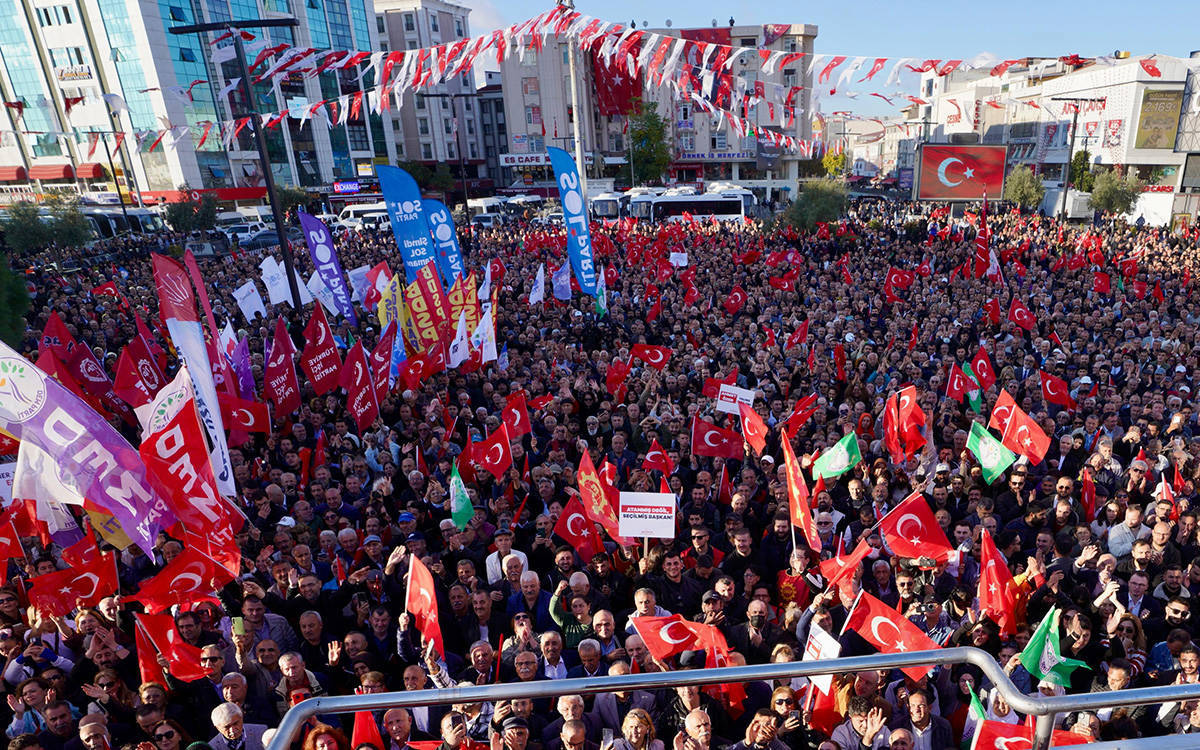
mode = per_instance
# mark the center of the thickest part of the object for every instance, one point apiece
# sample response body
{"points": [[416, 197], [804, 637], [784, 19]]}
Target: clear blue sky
{"points": [[908, 28]]}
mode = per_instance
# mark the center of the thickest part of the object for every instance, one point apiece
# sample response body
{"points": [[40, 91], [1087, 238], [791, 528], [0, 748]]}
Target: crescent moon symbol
{"points": [[1004, 742], [197, 579], [665, 633], [499, 456], [570, 528], [905, 517], [1003, 414], [941, 173], [875, 629], [710, 443], [248, 419], [95, 584], [654, 356]]}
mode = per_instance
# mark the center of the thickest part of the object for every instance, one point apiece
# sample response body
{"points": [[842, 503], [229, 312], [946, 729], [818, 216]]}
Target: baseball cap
{"points": [[405, 516], [710, 596], [372, 538], [514, 722], [940, 468], [287, 522]]}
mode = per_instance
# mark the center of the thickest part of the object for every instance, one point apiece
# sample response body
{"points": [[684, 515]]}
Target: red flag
{"points": [[577, 531], [516, 415], [911, 530], [599, 500], [540, 402], [724, 490], [129, 383], [182, 657], [710, 440], [1179, 484], [997, 590], [655, 356], [753, 428], [666, 637], [843, 566], [655, 311], [1055, 390], [1101, 283], [145, 364], [735, 300], [1150, 66], [495, 453], [914, 337], [992, 308], [712, 386], [903, 419], [1018, 431], [320, 358], [889, 631], [839, 361], [957, 384], [801, 413], [798, 337], [243, 414], [381, 362], [657, 458], [147, 656], [421, 602], [279, 377], [1158, 292], [190, 578], [798, 508], [1087, 495], [1018, 313], [10, 540], [356, 379], [981, 365], [57, 594], [1165, 492]]}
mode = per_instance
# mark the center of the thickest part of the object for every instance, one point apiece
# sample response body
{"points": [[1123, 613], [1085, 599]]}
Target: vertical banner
{"points": [[579, 237], [403, 199], [445, 241], [177, 306], [107, 470], [325, 260], [428, 307]]}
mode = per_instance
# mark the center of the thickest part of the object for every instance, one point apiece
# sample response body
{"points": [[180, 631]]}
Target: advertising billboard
{"points": [[960, 173], [1159, 119]]}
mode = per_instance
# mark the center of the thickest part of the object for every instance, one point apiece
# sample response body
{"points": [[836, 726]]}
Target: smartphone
{"points": [[237, 626], [458, 720], [606, 738]]}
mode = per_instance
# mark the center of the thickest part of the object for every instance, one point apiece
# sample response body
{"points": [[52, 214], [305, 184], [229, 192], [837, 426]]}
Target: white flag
{"points": [[460, 348], [484, 337], [561, 281], [317, 288], [249, 301], [485, 290], [275, 280], [37, 477], [538, 293], [821, 645]]}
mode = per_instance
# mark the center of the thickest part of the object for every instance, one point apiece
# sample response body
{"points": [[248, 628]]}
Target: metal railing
{"points": [[1043, 707]]}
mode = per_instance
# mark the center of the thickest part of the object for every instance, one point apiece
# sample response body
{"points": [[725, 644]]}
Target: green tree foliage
{"points": [[206, 212], [1023, 188], [14, 303], [189, 215], [648, 136], [819, 200], [1113, 194], [441, 179], [68, 226], [1082, 177], [24, 228], [290, 198], [834, 164], [419, 172]]}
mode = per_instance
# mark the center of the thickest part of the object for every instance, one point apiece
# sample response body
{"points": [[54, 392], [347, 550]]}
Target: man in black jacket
{"points": [[756, 637]]}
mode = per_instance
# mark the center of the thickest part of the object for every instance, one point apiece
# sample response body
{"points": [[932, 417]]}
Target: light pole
{"points": [[462, 164], [259, 138], [1076, 100], [578, 114]]}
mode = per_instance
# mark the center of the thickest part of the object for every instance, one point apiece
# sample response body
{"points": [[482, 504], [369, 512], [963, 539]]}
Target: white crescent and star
{"points": [[899, 644], [941, 172], [186, 575], [710, 443], [653, 357], [1027, 440], [900, 527], [243, 416], [1002, 414], [665, 633], [95, 584], [1003, 742], [570, 528]]}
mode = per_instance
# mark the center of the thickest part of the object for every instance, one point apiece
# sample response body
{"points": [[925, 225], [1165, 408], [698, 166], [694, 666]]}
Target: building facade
{"points": [[91, 85], [494, 127]]}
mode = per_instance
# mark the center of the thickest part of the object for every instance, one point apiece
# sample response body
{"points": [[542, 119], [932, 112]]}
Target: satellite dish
{"points": [[668, 23]]}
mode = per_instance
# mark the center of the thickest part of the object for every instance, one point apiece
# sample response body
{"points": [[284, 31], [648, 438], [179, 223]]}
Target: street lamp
{"points": [[462, 165], [260, 139]]}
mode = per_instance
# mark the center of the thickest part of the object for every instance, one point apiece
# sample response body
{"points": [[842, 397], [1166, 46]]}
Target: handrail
{"points": [[1044, 707]]}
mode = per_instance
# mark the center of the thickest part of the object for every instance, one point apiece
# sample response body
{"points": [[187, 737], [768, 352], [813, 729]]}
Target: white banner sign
{"points": [[249, 301], [821, 645], [6, 482], [730, 396], [647, 514], [679, 260]]}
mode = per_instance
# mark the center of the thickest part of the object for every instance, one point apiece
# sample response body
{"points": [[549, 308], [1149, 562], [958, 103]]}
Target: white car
{"points": [[554, 219], [243, 232], [488, 221]]}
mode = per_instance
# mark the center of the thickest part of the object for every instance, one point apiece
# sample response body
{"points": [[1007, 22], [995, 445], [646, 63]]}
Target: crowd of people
{"points": [[320, 606]]}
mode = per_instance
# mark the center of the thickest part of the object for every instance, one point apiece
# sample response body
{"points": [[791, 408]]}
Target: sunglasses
{"points": [[784, 701], [105, 685], [167, 735]]}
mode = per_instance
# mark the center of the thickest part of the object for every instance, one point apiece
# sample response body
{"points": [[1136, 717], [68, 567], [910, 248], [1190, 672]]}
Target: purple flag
{"points": [[104, 466], [241, 368], [324, 257]]}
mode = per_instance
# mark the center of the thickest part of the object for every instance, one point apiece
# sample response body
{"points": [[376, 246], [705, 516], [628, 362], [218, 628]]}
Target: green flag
{"points": [[993, 457], [461, 511], [839, 459], [975, 713], [1043, 658], [601, 294], [975, 394]]}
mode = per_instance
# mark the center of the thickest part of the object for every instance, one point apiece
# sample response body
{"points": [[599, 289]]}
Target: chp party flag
{"points": [[993, 457], [38, 409], [801, 514], [579, 238], [841, 458], [1043, 655], [421, 600], [889, 631]]}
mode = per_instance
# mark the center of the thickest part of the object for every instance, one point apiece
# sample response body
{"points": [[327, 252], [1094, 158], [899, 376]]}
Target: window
{"points": [[422, 126], [684, 111], [380, 24], [187, 55], [566, 59], [529, 86], [470, 127], [533, 115], [789, 76], [409, 23], [490, 151], [448, 126], [426, 151], [686, 141], [617, 142], [536, 143], [499, 114], [420, 101], [474, 150], [791, 45], [487, 128], [458, 28], [530, 58], [748, 41], [450, 152], [501, 130], [445, 104], [412, 43], [719, 142], [433, 24]]}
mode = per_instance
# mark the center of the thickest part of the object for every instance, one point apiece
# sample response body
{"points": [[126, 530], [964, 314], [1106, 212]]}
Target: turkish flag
{"points": [[843, 566], [243, 414], [129, 383], [413, 370], [495, 453], [618, 371], [666, 637], [1055, 390], [997, 590], [279, 377], [657, 458], [10, 540], [190, 578], [320, 358], [799, 336], [540, 402], [925, 270], [1101, 282], [57, 594], [998, 735], [689, 296], [655, 356], [356, 379], [899, 279], [753, 428], [710, 440], [183, 659], [801, 413], [1018, 313], [961, 172], [1019, 433], [801, 514], [1087, 495], [914, 337], [516, 415], [655, 311], [782, 284], [992, 308], [421, 601], [735, 300], [381, 362], [957, 384], [902, 422], [910, 530], [981, 365], [578, 532], [712, 386], [888, 630], [147, 656]]}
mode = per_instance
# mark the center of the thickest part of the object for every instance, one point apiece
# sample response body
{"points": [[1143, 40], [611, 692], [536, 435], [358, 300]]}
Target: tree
{"points": [[14, 303], [1114, 195], [420, 173], [1082, 178], [68, 226], [181, 216], [648, 136], [206, 213], [834, 164], [24, 228], [290, 198], [1024, 188], [819, 201], [441, 179]]}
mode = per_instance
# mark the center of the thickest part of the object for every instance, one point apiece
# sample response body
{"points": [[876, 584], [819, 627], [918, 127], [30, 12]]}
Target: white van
{"points": [[357, 211]]}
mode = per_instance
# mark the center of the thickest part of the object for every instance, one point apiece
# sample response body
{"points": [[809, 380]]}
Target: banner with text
{"points": [[403, 199], [579, 238], [325, 259]]}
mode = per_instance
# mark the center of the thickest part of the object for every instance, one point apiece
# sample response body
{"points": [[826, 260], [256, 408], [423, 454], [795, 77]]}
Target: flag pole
{"points": [[850, 612]]}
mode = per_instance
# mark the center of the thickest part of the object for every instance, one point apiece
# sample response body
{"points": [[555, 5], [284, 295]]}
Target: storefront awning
{"points": [[13, 174], [51, 172], [91, 171]]}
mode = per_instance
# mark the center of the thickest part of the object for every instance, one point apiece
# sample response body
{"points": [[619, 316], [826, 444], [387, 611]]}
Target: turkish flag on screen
{"points": [[961, 172]]}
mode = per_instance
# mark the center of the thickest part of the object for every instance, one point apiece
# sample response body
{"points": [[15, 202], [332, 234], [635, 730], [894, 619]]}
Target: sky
{"points": [[913, 28]]}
